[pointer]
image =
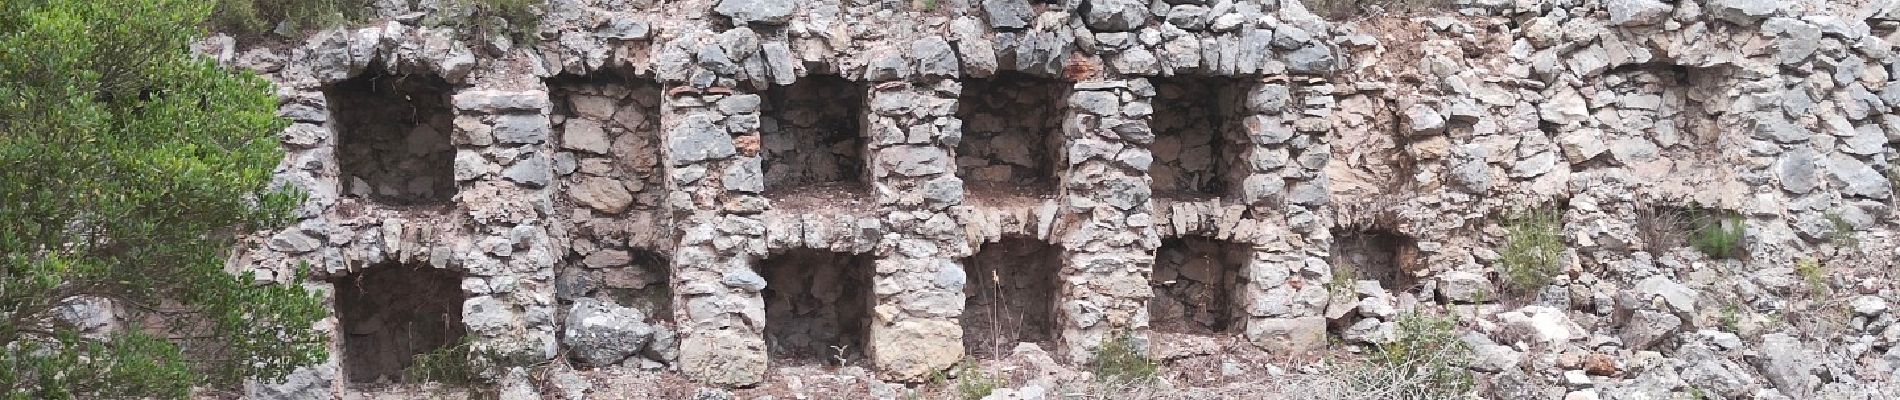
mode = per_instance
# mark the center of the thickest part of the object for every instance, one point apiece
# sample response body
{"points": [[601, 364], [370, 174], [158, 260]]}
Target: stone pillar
{"points": [[912, 133], [710, 146], [1283, 284], [1108, 234], [502, 169]]}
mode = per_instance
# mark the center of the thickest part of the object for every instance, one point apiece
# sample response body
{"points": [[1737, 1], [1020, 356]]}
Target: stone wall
{"points": [[646, 178]]}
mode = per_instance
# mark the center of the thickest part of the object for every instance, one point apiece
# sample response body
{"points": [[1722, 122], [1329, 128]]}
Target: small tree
{"points": [[127, 168]]}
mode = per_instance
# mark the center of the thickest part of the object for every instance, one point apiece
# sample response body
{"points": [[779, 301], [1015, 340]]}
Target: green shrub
{"points": [[457, 364], [257, 17], [1717, 234], [516, 20], [1427, 358], [1533, 248], [1120, 359], [973, 382], [1814, 275]]}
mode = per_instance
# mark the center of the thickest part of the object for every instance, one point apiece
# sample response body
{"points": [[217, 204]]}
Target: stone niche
{"points": [[1012, 134], [634, 278], [389, 313], [817, 305], [608, 161], [1011, 296], [812, 136], [1390, 258], [1198, 136], [393, 138], [1194, 280]]}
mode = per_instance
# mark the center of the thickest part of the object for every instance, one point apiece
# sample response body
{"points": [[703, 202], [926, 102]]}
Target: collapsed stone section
{"points": [[811, 133], [1012, 133], [1011, 295], [608, 163], [393, 138], [1389, 258], [1198, 136], [1194, 280], [817, 305], [392, 312]]}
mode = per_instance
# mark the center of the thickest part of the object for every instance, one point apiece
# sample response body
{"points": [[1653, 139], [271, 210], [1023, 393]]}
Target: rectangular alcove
{"points": [[817, 305], [1377, 255], [1011, 295], [1012, 135], [634, 278], [1194, 281], [813, 144], [1199, 137], [393, 138], [389, 313]]}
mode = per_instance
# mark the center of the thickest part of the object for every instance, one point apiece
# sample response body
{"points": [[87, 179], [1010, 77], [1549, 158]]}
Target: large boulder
{"points": [[600, 333]]}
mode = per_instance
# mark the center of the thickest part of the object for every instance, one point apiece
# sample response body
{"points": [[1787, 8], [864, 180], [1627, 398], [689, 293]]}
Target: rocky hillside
{"points": [[1015, 199]]}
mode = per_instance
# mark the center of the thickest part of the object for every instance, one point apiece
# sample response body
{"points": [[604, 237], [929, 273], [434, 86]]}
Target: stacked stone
{"points": [[913, 133], [1283, 283], [714, 187], [1109, 237], [611, 214], [503, 149]]}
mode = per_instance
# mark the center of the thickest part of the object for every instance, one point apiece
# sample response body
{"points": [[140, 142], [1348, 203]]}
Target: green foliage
{"points": [[515, 20], [1427, 357], [1717, 235], [974, 383], [127, 166], [256, 17], [457, 364], [1533, 247], [1814, 274], [1120, 359]]}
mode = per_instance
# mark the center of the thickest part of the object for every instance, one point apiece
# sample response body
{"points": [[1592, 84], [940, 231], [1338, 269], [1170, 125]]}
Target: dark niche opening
{"points": [[390, 313], [1012, 134], [817, 305], [393, 138], [1011, 295], [1194, 280]]}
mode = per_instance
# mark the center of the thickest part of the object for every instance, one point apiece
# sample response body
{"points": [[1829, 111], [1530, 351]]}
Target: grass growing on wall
{"points": [[1533, 247]]}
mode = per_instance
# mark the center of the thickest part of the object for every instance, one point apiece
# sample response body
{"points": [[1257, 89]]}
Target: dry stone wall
{"points": [[678, 185]]}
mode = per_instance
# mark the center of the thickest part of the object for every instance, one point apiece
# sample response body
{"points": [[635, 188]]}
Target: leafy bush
{"points": [[127, 168], [515, 20], [1533, 248], [973, 382], [1120, 359], [456, 364], [1718, 235], [1426, 361], [256, 17]]}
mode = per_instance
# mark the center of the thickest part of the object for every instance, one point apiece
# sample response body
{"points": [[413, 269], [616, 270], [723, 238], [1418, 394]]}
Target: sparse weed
{"points": [[1121, 359], [1426, 361], [456, 364], [1717, 234], [974, 383], [1533, 246], [1814, 275], [1842, 232]]}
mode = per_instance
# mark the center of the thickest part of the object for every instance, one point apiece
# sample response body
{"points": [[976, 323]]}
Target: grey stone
{"points": [[743, 177], [1465, 287], [1787, 363], [600, 333], [521, 129], [497, 101], [1794, 40], [743, 279], [585, 135], [1007, 14], [771, 12], [698, 138], [1314, 59], [1645, 329], [1774, 126], [1856, 178], [532, 171], [294, 241], [1744, 12], [1188, 16], [1797, 169], [1424, 120], [603, 194], [624, 29], [935, 58], [1117, 15], [1095, 102], [739, 104], [1637, 12]]}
